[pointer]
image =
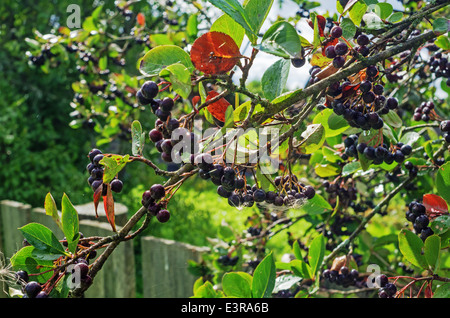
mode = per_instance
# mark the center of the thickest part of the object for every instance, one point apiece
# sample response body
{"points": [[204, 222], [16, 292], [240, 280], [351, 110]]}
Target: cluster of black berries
{"points": [[95, 169], [151, 199], [346, 194], [226, 260], [382, 153], [440, 66], [337, 52], [254, 231], [412, 169], [387, 290], [344, 277], [424, 112], [364, 115], [31, 289], [81, 271], [445, 128], [165, 124], [416, 214], [232, 186]]}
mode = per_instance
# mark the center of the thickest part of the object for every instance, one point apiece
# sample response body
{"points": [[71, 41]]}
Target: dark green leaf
{"points": [[443, 182], [411, 247], [281, 39], [24, 260], [42, 238], [316, 254], [264, 278], [235, 10], [432, 251], [274, 79]]}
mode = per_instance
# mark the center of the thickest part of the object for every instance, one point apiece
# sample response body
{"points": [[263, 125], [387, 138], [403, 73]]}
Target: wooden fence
{"points": [[164, 262]]}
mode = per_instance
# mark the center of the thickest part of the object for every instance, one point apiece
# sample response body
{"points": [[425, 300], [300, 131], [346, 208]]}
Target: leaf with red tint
{"points": [[97, 195], [195, 100], [108, 203], [140, 19], [215, 53], [321, 22], [435, 205], [218, 108]]}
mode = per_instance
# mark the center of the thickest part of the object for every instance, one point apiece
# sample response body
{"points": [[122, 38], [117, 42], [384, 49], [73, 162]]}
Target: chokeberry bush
{"points": [[358, 157]]}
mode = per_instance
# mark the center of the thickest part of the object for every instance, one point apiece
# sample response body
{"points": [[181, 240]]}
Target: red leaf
{"points": [[219, 108], [434, 204], [108, 203], [214, 53], [140, 19], [321, 22], [97, 195], [195, 100]]}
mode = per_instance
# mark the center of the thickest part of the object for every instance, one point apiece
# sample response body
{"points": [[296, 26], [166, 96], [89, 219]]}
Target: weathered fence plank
{"points": [[117, 277], [165, 267]]}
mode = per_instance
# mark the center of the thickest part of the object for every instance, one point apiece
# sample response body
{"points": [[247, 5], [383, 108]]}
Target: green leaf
{"points": [[257, 11], [206, 291], [297, 251], [357, 11], [316, 34], [264, 278], [351, 168], [428, 147], [392, 119], [443, 182], [443, 291], [411, 247], [441, 25], [372, 21], [348, 28], [158, 58], [281, 39], [229, 118], [432, 252], [441, 224], [234, 9], [113, 165], [326, 170], [395, 17], [300, 268], [443, 42], [192, 26], [24, 260], [137, 144], [333, 124], [274, 79], [409, 138], [316, 205], [316, 254], [331, 155], [237, 284], [313, 138], [42, 238], [284, 282], [180, 78], [70, 223], [383, 10], [51, 209], [103, 62], [227, 25]]}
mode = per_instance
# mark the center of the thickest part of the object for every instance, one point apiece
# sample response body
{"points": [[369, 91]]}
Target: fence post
{"points": [[12, 216], [165, 267]]}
